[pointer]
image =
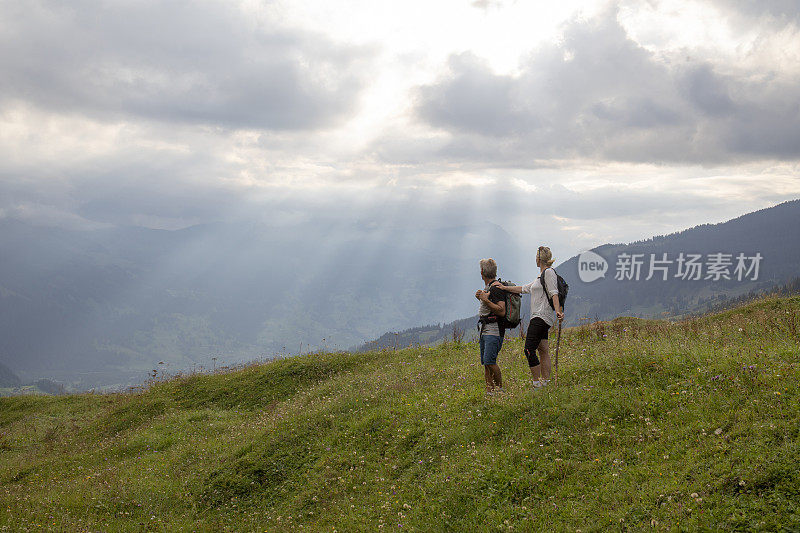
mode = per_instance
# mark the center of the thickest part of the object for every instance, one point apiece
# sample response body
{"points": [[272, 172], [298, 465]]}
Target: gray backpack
{"points": [[513, 303]]}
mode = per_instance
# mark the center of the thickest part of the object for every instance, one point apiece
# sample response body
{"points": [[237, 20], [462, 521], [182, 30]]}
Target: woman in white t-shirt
{"points": [[543, 315]]}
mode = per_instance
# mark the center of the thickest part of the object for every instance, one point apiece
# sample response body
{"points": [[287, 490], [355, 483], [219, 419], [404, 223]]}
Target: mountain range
{"points": [[107, 307], [771, 234]]}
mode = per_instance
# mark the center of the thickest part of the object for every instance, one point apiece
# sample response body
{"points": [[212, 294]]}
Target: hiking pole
{"points": [[555, 360]]}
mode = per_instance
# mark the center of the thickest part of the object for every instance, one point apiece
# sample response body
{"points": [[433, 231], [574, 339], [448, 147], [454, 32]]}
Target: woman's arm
{"points": [[552, 283], [516, 289], [557, 307]]}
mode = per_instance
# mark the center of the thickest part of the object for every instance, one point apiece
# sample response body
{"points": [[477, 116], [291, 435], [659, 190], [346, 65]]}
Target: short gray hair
{"points": [[488, 268]]}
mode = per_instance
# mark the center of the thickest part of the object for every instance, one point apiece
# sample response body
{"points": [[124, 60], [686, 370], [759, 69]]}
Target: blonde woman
{"points": [[543, 315]]}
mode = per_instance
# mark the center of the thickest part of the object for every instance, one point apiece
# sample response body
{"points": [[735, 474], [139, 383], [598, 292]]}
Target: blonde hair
{"points": [[545, 256], [488, 268]]}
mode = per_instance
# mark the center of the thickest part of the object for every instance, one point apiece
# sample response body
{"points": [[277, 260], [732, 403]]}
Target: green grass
{"points": [[685, 426]]}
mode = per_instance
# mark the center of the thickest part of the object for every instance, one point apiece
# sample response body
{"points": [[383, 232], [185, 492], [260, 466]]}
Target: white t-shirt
{"points": [[539, 305]]}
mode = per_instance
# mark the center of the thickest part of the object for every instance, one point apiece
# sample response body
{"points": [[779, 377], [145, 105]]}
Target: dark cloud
{"points": [[598, 94], [138, 195], [706, 91], [453, 104], [179, 61], [131, 185], [594, 95], [167, 189]]}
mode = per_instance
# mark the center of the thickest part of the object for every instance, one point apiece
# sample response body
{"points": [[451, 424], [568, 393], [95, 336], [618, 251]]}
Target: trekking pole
{"points": [[555, 360]]}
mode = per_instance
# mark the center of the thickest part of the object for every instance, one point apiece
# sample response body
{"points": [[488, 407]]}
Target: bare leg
{"points": [[497, 376], [487, 374], [544, 357]]}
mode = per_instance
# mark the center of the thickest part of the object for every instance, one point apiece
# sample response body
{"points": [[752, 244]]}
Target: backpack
{"points": [[513, 303], [563, 288]]}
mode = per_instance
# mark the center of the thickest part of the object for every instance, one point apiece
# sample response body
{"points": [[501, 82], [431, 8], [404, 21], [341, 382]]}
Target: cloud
{"points": [[599, 95], [777, 11], [486, 4], [475, 100], [211, 63], [167, 115], [164, 191]]}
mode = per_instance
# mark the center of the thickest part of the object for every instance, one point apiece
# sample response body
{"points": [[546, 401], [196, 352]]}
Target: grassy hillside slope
{"points": [[653, 425]]}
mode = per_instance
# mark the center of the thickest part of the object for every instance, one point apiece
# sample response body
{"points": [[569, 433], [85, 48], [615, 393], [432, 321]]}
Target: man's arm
{"points": [[497, 308]]}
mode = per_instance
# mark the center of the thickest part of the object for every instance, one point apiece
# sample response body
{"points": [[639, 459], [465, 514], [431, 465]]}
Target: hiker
{"points": [[542, 316], [493, 304]]}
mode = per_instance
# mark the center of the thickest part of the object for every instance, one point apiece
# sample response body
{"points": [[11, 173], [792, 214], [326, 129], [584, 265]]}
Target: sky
{"points": [[572, 123]]}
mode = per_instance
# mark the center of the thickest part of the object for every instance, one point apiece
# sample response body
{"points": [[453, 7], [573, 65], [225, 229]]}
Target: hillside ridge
{"points": [[653, 424]]}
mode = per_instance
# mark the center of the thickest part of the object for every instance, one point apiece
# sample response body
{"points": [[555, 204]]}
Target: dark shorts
{"points": [[490, 347], [537, 332]]}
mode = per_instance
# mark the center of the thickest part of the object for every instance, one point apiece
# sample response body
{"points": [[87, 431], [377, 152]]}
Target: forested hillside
{"points": [[772, 233]]}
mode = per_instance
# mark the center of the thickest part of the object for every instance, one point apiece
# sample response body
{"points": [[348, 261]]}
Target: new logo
{"points": [[591, 267]]}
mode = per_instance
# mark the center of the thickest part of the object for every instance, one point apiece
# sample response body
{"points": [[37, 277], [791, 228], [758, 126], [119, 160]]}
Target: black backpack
{"points": [[563, 289]]}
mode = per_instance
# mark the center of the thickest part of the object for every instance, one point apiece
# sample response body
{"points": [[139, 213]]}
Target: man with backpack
{"points": [[492, 330]]}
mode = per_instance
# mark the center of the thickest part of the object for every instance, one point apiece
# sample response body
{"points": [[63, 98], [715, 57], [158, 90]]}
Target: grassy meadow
{"points": [[653, 426]]}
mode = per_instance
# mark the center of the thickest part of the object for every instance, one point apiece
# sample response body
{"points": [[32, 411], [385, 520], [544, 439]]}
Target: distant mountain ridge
{"points": [[107, 307], [7, 377], [773, 232]]}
